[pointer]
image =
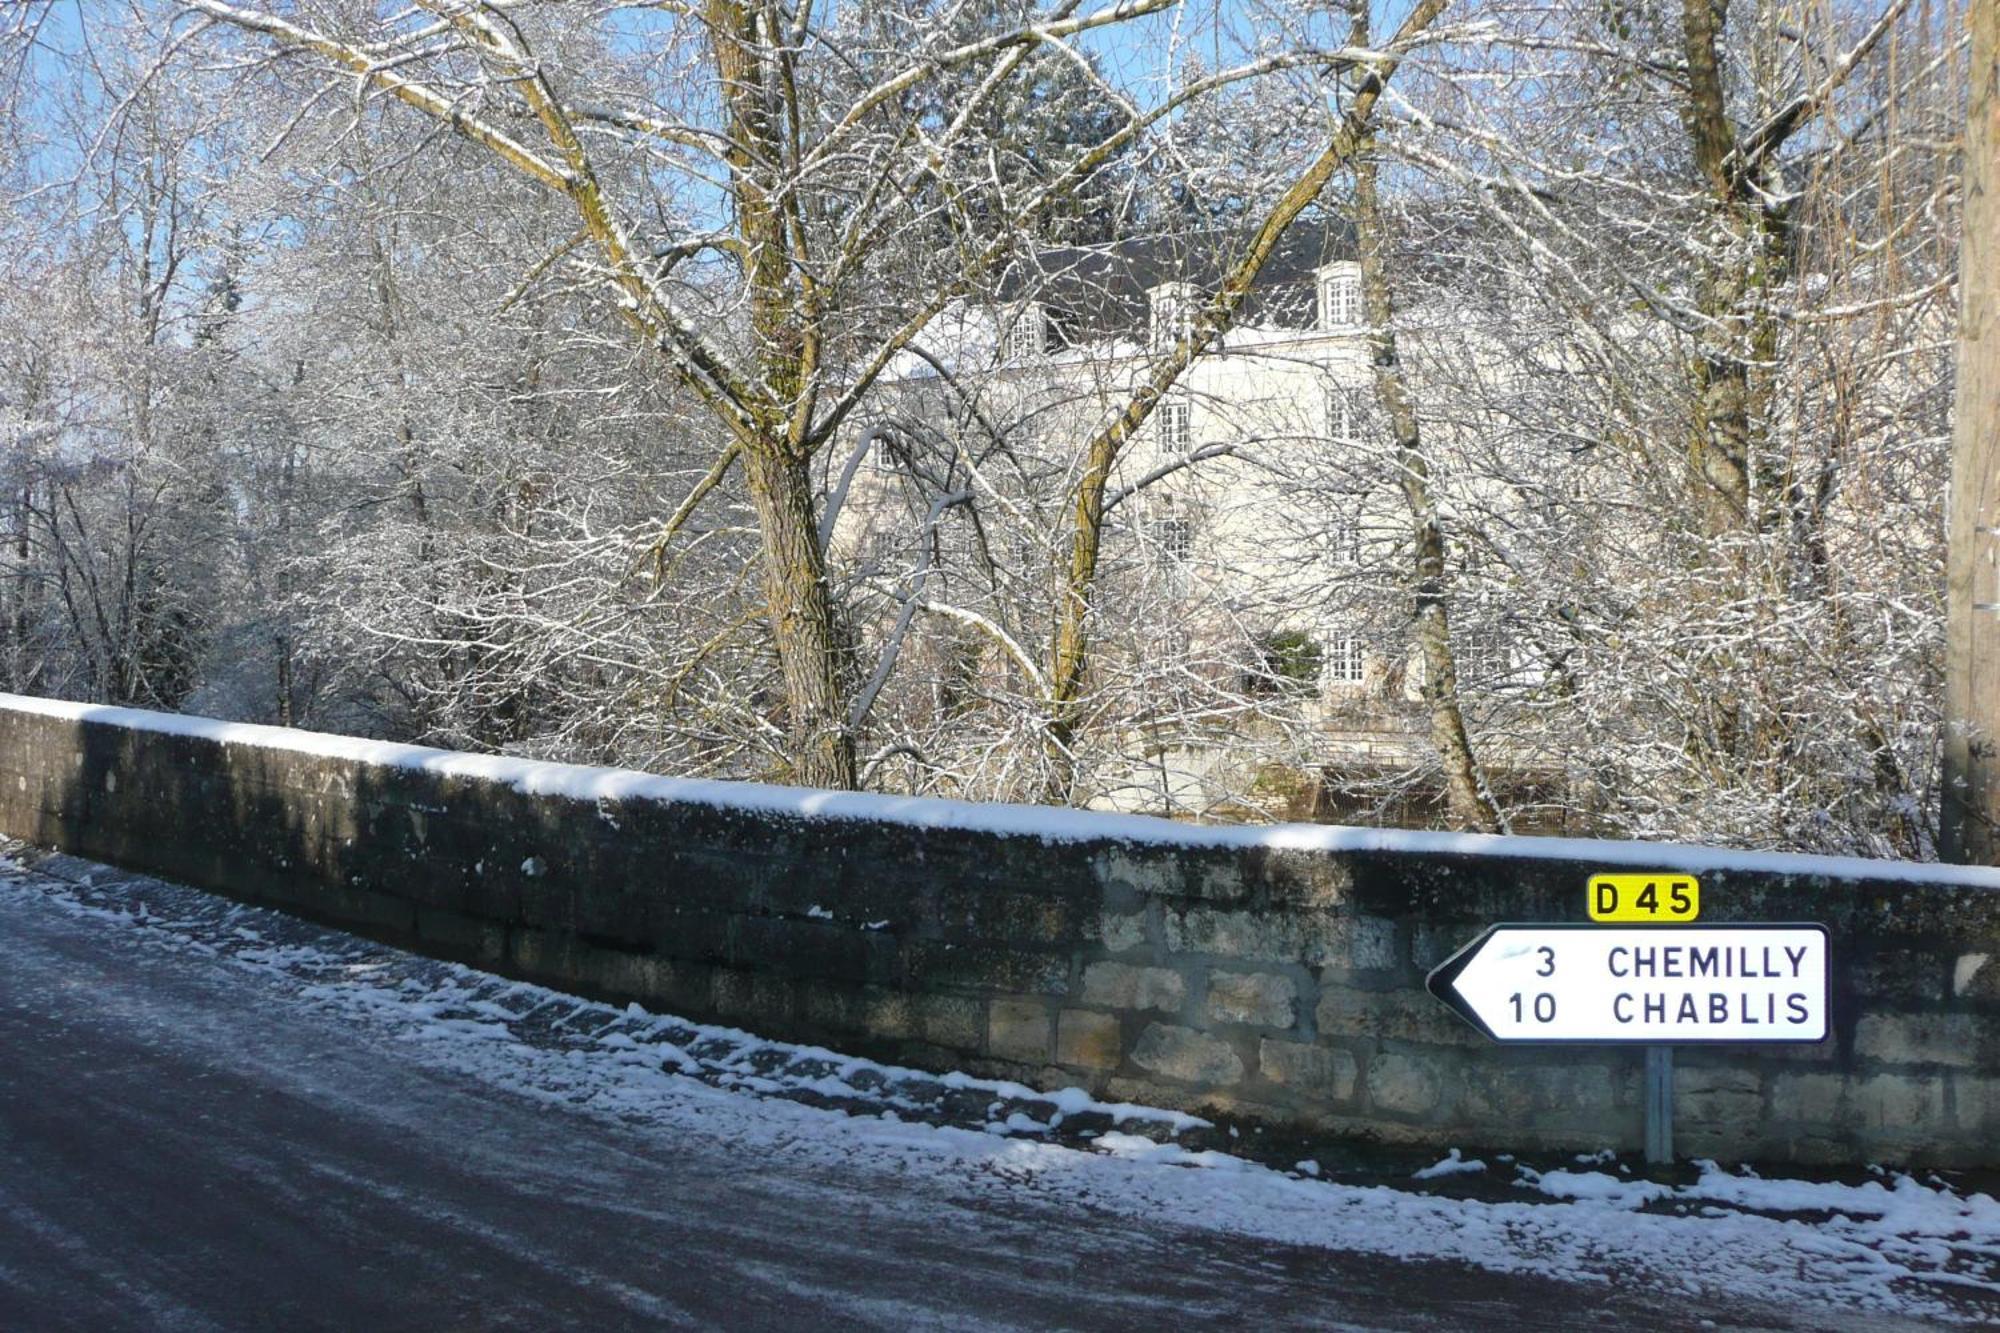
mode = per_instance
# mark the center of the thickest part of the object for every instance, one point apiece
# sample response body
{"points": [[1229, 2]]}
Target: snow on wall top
{"points": [[535, 777]]}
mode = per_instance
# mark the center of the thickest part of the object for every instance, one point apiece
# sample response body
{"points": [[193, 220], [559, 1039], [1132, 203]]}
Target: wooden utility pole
{"points": [[1970, 831]]}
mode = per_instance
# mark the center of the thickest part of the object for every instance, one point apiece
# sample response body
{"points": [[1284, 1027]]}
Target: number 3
{"points": [[1548, 968]]}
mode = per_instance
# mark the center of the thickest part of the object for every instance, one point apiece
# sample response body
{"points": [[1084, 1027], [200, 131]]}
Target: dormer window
{"points": [[1027, 335], [1340, 296], [1172, 307]]}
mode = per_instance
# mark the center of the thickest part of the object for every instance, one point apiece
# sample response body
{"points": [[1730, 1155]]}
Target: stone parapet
{"points": [[1275, 975]]}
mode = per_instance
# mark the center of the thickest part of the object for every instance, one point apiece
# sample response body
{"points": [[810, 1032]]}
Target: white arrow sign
{"points": [[1652, 984]]}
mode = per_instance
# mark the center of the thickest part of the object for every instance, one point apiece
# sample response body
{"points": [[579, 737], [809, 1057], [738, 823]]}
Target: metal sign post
{"points": [[1659, 1105]]}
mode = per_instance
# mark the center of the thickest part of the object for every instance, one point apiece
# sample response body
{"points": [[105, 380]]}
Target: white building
{"points": [[1257, 537]]}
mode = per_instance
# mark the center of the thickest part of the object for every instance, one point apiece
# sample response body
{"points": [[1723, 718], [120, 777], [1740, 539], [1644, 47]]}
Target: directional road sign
{"points": [[1649, 984]]}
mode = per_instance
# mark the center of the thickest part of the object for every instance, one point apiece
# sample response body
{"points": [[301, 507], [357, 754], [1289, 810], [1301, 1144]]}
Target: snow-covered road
{"points": [[218, 1117]]}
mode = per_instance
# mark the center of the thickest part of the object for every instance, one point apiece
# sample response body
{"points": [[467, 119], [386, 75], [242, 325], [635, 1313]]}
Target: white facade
{"points": [[1254, 514]]}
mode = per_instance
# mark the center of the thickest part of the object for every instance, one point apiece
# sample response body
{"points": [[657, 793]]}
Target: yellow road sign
{"points": [[1645, 897]]}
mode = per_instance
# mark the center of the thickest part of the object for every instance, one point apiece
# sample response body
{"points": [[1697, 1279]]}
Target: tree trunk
{"points": [[1071, 648], [1728, 421], [822, 751], [281, 650], [776, 461], [1970, 824], [1468, 804], [20, 678]]}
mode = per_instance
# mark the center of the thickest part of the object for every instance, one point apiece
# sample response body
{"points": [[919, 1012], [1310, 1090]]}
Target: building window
{"points": [[1346, 538], [878, 550], [882, 454], [1032, 555], [1339, 297], [1169, 525], [1480, 657], [1343, 659], [1175, 432], [1027, 335], [1172, 307], [1343, 415]]}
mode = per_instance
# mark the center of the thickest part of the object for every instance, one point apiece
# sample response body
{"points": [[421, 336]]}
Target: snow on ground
{"points": [[542, 778], [1891, 1245], [1452, 1164]]}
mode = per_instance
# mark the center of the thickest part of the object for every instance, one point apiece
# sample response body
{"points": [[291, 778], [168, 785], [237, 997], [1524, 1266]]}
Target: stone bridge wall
{"points": [[1272, 974]]}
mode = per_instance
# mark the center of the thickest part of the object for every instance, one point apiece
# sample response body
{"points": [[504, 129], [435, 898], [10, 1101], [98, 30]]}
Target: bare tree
{"points": [[1694, 364], [816, 193]]}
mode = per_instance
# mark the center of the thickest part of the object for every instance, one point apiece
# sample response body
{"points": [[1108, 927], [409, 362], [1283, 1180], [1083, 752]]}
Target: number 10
{"points": [[1544, 1006]]}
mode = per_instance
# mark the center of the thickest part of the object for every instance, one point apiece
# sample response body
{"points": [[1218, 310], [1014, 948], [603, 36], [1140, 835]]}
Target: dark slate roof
{"points": [[1101, 290]]}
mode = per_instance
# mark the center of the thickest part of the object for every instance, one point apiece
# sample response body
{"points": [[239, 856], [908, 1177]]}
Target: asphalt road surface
{"points": [[181, 1148]]}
